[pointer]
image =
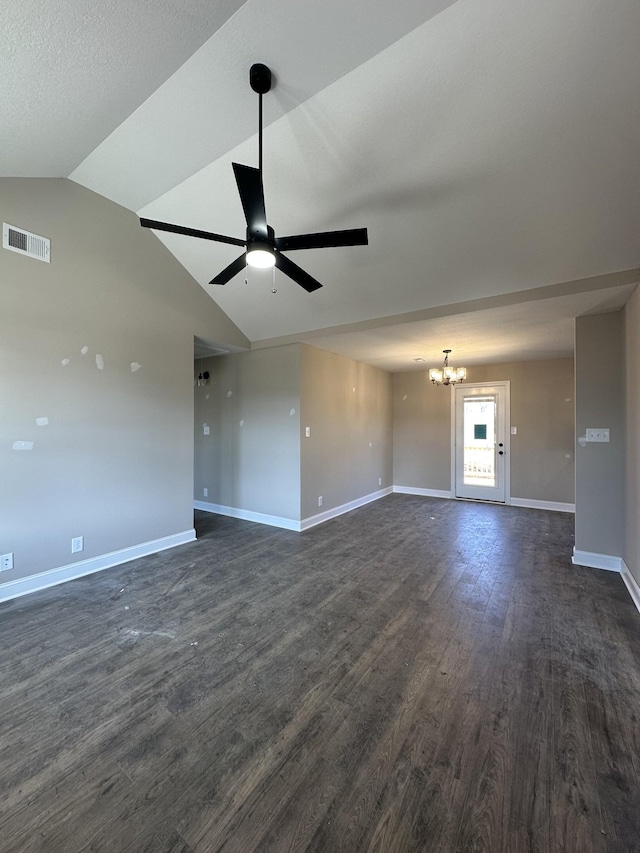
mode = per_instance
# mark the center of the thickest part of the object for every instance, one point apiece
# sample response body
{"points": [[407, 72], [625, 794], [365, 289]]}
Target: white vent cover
{"points": [[26, 243]]}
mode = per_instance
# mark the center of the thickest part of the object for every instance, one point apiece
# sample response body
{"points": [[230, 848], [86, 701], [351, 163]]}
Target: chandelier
{"points": [[447, 375]]}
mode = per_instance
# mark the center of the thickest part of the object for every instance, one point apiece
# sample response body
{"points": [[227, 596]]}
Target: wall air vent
{"points": [[26, 243]]}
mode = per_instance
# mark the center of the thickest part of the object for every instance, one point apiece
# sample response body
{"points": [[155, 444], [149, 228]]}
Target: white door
{"points": [[481, 430]]}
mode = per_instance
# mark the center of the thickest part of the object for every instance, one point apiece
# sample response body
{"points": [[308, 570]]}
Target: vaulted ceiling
{"points": [[490, 147]]}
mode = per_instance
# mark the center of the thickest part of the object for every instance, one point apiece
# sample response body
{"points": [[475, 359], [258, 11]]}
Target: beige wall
{"points": [[631, 548], [115, 462], [251, 458], [600, 403], [541, 407], [347, 406]]}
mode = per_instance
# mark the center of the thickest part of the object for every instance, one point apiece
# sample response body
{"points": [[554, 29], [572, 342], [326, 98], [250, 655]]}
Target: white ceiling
{"points": [[490, 147]]}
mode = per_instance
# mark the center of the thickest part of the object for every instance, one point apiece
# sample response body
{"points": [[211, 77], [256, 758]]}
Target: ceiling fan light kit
{"points": [[263, 249], [260, 256]]}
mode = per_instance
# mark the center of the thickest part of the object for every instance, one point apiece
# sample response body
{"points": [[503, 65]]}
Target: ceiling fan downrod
{"points": [[260, 82]]}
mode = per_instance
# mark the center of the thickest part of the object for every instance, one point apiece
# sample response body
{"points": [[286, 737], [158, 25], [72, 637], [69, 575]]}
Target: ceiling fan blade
{"points": [[325, 239], [249, 183], [296, 273], [228, 272], [190, 232]]}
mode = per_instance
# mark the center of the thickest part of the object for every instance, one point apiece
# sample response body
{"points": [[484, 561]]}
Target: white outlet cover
{"points": [[599, 435]]}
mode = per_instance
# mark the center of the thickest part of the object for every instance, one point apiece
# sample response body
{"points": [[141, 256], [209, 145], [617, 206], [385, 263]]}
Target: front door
{"points": [[481, 419]]}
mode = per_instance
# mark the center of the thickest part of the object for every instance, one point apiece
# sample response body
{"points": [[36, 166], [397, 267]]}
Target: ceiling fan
{"points": [[263, 248]]}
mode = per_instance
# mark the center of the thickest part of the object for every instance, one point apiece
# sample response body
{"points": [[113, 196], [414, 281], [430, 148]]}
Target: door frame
{"points": [[505, 384]]}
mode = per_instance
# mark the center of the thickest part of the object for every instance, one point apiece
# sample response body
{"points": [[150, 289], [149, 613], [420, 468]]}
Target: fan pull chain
{"points": [[274, 289]]}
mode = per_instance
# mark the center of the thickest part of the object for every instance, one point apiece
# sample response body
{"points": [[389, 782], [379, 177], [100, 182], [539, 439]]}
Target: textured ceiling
{"points": [[490, 146]]}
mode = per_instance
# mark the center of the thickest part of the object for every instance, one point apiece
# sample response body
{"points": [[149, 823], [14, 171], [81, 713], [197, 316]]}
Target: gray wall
{"points": [[115, 462], [600, 403], [257, 406], [251, 458], [421, 432], [348, 407], [631, 550], [541, 407]]}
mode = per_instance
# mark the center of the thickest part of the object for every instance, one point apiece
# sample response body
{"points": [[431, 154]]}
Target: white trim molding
{"points": [[425, 493], [313, 520], [247, 515], [632, 585], [597, 561], [53, 577], [553, 506]]}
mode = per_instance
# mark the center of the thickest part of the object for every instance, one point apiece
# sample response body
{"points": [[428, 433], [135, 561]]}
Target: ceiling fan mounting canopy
{"points": [[263, 248], [260, 78]]}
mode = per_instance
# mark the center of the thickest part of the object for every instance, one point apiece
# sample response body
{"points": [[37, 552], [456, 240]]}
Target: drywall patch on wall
{"points": [[42, 422], [22, 445], [99, 362], [65, 362], [84, 350], [135, 366]]}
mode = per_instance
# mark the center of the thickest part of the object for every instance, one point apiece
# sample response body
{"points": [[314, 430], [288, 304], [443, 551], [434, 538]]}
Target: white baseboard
{"points": [[554, 506], [632, 585], [425, 493], [313, 520], [290, 523], [610, 564], [597, 561], [246, 515], [52, 577]]}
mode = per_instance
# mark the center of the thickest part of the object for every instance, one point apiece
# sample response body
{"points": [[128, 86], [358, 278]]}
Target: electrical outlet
{"points": [[307, 432], [6, 562], [205, 429], [77, 544], [206, 492], [319, 500], [597, 435]]}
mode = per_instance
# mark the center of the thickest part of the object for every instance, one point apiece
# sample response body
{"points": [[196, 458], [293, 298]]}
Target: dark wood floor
{"points": [[420, 675]]}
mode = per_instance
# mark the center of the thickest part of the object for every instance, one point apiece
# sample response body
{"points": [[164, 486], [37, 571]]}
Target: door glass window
{"points": [[480, 441]]}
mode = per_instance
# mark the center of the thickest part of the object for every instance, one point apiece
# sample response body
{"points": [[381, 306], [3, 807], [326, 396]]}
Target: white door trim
{"points": [[506, 385]]}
